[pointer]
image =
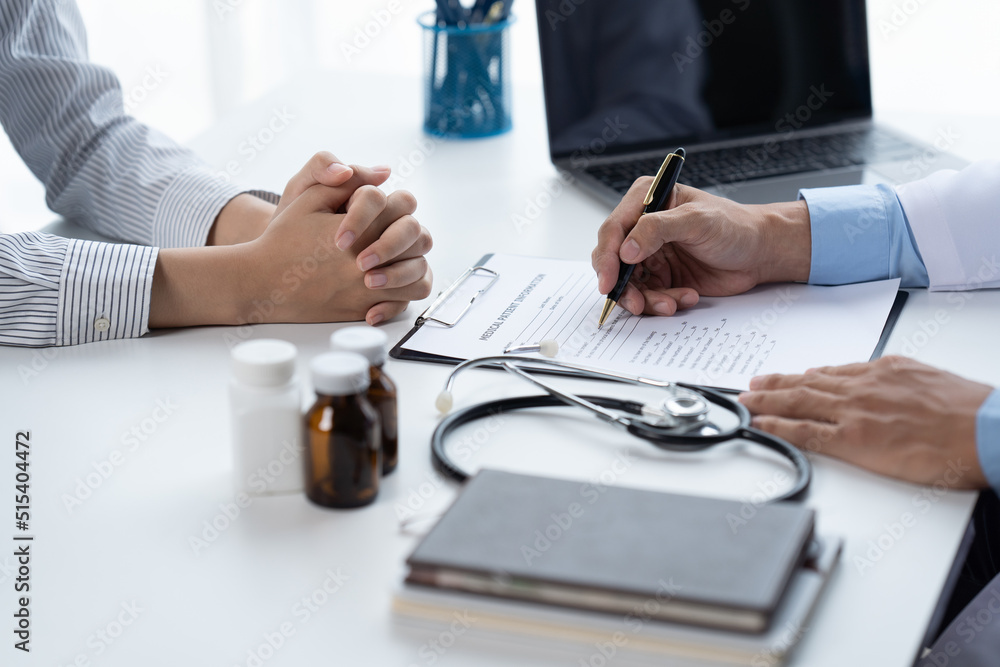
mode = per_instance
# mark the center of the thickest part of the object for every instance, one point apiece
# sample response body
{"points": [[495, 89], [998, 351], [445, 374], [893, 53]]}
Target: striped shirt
{"points": [[102, 170]]}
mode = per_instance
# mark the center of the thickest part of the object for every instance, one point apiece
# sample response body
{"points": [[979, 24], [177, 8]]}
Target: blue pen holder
{"points": [[466, 78]]}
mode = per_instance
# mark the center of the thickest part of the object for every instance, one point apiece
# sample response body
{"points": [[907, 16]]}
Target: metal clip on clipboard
{"points": [[428, 314]]}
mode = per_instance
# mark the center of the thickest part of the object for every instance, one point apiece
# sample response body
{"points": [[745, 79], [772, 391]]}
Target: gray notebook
{"points": [[703, 561]]}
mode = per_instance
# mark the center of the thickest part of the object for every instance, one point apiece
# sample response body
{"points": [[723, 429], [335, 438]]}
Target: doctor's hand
{"points": [[894, 416], [702, 245], [333, 254]]}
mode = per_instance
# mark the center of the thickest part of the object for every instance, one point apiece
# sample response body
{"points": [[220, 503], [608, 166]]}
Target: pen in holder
{"points": [[466, 77]]}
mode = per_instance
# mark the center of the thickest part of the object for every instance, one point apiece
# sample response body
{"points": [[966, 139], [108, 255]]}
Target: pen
{"points": [[478, 11], [495, 12], [656, 199]]}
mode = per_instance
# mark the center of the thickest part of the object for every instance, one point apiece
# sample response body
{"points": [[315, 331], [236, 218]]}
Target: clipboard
{"points": [[432, 312], [399, 351], [890, 323]]}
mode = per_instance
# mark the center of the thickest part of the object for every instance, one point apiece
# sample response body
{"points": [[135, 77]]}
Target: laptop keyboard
{"points": [[737, 164]]}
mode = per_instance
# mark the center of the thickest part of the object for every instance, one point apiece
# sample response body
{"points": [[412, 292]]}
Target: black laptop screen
{"points": [[634, 74]]}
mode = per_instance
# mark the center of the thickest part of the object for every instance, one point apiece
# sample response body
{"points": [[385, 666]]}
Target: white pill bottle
{"points": [[266, 419]]}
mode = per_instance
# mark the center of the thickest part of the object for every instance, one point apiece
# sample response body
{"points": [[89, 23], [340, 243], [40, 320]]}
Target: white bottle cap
{"points": [[369, 342], [264, 363], [340, 373]]}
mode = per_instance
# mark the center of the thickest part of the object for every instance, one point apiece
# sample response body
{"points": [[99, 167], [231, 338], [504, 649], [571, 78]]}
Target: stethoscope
{"points": [[677, 423]]}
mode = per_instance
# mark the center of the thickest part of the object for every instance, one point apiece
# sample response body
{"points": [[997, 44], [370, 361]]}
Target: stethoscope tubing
{"points": [[661, 437]]}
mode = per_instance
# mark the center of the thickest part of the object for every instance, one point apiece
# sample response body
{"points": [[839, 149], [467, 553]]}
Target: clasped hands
{"points": [[344, 249], [335, 248]]}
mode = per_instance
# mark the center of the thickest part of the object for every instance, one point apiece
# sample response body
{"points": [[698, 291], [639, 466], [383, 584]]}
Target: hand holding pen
{"points": [[702, 245], [656, 200]]}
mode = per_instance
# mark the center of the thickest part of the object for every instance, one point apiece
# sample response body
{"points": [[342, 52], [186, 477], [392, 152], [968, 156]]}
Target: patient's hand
{"points": [[245, 217], [340, 253]]}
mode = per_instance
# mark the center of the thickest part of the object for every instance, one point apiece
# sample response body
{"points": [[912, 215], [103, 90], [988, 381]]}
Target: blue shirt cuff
{"points": [[860, 233], [988, 439]]}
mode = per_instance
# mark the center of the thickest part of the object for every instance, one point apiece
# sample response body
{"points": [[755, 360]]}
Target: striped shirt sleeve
{"points": [[102, 170], [56, 291]]}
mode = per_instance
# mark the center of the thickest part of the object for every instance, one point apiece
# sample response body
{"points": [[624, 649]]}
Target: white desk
{"points": [[129, 541]]}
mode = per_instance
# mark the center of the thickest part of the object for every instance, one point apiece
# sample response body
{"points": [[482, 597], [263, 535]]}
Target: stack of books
{"points": [[636, 574]]}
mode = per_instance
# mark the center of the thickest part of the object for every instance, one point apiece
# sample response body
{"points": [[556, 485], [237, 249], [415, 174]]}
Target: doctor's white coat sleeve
{"points": [[942, 232], [955, 220]]}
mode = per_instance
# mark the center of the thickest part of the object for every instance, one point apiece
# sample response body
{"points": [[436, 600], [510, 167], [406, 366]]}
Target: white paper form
{"points": [[721, 342]]}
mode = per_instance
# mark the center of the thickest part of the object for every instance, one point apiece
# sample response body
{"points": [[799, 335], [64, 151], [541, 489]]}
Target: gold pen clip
{"points": [[656, 181]]}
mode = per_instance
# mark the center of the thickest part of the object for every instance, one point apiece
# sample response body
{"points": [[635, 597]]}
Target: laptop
{"points": [[766, 96]]}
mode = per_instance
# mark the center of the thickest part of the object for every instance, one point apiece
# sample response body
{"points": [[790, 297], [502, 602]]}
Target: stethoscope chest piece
{"points": [[680, 410], [686, 407]]}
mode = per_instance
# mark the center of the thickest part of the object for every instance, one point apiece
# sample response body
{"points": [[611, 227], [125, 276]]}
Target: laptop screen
{"points": [[633, 75]]}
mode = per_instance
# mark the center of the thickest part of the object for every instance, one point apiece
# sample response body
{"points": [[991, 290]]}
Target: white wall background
{"points": [[928, 56]]}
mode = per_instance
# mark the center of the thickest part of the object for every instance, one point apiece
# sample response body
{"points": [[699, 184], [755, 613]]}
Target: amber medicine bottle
{"points": [[373, 344], [343, 433]]}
